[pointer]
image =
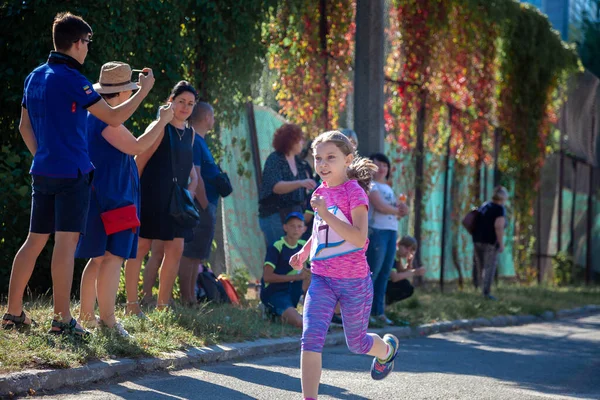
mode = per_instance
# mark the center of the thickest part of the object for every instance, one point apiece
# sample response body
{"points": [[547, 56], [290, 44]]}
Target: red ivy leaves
{"points": [[314, 64]]}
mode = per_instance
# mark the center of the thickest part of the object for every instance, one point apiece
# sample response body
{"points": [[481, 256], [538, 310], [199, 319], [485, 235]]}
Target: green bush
{"points": [[562, 265], [215, 44]]}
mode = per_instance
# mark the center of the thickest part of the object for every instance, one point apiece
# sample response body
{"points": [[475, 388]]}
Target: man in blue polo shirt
{"points": [[56, 100], [282, 285], [197, 251]]}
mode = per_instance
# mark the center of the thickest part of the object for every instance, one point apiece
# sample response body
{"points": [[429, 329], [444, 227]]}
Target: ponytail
{"points": [[362, 169]]}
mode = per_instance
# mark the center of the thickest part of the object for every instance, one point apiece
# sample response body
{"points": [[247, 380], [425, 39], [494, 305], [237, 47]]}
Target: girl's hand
{"points": [[297, 261], [308, 184], [409, 259], [318, 204], [402, 210]]}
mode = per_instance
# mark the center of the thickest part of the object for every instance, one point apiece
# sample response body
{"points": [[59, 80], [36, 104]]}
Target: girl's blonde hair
{"points": [[361, 169]]}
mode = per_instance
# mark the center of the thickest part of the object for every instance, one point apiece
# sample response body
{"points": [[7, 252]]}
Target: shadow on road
{"points": [[559, 358], [278, 380]]}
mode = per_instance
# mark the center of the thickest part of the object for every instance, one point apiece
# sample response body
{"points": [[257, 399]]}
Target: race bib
{"points": [[327, 243]]}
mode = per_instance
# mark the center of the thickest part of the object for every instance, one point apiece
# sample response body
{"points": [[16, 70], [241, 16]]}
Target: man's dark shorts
{"points": [[60, 204], [199, 247]]}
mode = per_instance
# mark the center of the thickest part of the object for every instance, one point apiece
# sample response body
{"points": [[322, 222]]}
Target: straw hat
{"points": [[115, 77]]}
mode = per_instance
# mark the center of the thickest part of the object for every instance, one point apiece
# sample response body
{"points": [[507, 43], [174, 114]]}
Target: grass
{"points": [[209, 324], [165, 332], [432, 306]]}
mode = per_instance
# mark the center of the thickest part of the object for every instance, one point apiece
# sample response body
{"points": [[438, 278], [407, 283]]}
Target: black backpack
{"points": [[210, 289]]}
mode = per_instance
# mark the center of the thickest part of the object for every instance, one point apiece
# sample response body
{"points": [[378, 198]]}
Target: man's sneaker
{"points": [[382, 368]]}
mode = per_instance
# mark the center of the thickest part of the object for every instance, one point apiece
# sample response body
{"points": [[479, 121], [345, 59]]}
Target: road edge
{"points": [[31, 381]]}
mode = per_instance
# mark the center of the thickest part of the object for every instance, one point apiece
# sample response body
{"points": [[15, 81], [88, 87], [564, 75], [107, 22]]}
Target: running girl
{"points": [[338, 263]]}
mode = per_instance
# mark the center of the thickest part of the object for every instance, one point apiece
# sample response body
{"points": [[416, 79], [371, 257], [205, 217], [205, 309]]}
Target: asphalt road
{"points": [[554, 360]]}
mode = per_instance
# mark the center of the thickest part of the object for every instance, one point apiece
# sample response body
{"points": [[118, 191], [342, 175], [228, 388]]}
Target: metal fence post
{"points": [[254, 144], [419, 171], [444, 219]]}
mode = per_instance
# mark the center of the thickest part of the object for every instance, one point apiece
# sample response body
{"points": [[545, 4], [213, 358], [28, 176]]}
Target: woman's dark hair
{"points": [[286, 136], [306, 149], [382, 158], [182, 87], [107, 96], [68, 29]]}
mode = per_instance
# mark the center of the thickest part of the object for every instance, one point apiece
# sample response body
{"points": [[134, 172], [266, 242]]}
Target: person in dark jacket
{"points": [[488, 240]]}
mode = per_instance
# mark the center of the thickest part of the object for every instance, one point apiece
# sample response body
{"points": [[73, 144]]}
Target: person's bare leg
{"points": [[108, 285], [338, 309], [168, 271], [380, 348], [310, 366], [193, 280], [63, 263], [22, 269], [188, 269], [157, 253], [87, 290], [292, 317], [132, 276]]}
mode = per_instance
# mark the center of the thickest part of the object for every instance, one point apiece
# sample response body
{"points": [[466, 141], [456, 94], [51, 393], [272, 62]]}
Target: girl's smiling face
{"points": [[331, 163]]}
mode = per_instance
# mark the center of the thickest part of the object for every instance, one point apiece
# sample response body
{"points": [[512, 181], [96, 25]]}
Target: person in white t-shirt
{"points": [[384, 211]]}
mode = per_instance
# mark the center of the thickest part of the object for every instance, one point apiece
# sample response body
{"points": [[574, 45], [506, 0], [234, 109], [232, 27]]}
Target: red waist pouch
{"points": [[120, 219]]}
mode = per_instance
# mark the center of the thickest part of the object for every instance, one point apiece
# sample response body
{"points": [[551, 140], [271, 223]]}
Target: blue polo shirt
{"points": [[56, 97], [278, 257], [204, 159]]}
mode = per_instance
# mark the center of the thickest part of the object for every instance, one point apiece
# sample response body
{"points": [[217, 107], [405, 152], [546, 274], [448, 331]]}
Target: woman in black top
{"points": [[156, 172], [285, 182], [488, 240]]}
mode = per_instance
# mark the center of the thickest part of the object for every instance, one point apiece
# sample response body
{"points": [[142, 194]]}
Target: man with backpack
{"points": [[488, 240]]}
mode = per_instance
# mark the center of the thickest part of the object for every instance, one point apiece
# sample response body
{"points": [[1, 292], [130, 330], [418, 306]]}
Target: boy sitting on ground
{"points": [[282, 286], [399, 287]]}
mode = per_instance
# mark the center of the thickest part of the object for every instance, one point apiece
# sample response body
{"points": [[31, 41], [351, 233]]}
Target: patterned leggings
{"points": [[355, 297]]}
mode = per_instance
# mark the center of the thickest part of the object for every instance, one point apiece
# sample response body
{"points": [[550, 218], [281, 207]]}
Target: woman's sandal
{"points": [[16, 322], [68, 328]]}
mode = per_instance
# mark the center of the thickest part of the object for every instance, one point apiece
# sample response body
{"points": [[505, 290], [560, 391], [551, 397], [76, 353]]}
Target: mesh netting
{"points": [[242, 238], [564, 223]]}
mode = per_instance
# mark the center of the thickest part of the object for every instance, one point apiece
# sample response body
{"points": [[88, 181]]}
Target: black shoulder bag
{"points": [[182, 207]]}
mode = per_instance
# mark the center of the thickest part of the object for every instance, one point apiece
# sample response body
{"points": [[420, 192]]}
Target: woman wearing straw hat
{"points": [[115, 190]]}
